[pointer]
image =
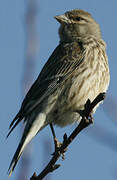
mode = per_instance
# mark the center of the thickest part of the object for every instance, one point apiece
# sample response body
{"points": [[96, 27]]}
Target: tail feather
{"points": [[16, 120], [19, 116], [13, 127], [31, 129], [16, 117], [15, 159]]}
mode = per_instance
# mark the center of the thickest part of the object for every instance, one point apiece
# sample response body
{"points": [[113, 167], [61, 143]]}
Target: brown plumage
{"points": [[76, 71]]}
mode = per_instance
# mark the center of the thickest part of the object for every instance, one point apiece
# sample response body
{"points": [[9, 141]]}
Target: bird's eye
{"points": [[78, 18]]}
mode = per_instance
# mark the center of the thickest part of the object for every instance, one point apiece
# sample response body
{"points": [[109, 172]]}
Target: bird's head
{"points": [[77, 24]]}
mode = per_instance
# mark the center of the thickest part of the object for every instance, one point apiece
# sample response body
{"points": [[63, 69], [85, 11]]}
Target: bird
{"points": [[76, 71]]}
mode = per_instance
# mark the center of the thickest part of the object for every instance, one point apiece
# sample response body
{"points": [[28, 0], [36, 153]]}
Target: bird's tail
{"points": [[31, 129]]}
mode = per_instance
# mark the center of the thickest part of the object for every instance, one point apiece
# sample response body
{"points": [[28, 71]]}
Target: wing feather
{"points": [[65, 59]]}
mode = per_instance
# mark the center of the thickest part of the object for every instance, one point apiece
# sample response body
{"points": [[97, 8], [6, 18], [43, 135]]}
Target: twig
{"points": [[85, 121]]}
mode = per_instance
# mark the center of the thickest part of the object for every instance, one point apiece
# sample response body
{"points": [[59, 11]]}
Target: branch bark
{"points": [[85, 122]]}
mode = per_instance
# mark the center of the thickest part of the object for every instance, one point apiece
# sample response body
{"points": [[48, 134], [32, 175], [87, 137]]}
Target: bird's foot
{"points": [[89, 119], [65, 149], [58, 146]]}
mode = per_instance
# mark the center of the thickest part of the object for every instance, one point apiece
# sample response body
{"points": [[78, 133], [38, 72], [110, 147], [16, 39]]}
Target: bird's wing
{"points": [[64, 60]]}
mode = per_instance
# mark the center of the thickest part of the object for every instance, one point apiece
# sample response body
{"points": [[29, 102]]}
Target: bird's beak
{"points": [[61, 19]]}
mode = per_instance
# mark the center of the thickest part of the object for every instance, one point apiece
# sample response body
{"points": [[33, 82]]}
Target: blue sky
{"points": [[86, 157]]}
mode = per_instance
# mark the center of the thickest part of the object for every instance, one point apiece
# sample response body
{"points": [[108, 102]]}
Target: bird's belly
{"points": [[66, 118], [66, 113], [74, 99]]}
